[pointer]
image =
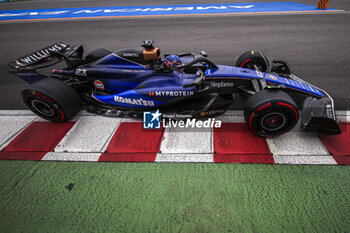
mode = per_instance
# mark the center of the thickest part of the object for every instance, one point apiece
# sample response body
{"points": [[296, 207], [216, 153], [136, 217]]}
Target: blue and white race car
{"points": [[133, 80]]}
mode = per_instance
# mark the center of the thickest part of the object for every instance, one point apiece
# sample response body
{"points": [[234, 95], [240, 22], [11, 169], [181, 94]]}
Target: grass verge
{"points": [[151, 197]]}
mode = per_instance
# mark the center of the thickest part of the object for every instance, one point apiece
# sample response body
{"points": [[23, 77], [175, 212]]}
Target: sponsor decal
{"points": [[130, 55], [220, 84], [212, 112], [273, 77], [116, 10], [40, 55], [151, 120], [138, 102], [259, 73], [137, 11], [133, 71], [99, 85], [171, 93]]}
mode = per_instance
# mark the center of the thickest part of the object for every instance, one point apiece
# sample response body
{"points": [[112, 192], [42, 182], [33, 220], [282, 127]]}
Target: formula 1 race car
{"points": [[133, 80]]}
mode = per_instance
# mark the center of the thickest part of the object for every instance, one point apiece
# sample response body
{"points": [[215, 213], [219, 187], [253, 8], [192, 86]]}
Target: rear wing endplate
{"points": [[41, 58]]}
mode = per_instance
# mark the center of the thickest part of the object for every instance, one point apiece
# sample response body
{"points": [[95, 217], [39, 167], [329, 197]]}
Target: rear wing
{"points": [[49, 56]]}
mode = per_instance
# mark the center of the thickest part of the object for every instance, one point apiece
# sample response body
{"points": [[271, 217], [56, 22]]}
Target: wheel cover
{"points": [[273, 121], [43, 108]]}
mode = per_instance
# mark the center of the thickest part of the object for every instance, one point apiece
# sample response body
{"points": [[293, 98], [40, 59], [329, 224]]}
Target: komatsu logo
{"points": [[138, 102]]}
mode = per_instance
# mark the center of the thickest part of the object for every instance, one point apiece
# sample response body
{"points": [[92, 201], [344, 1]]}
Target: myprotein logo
{"points": [[171, 93], [220, 84], [153, 120]]}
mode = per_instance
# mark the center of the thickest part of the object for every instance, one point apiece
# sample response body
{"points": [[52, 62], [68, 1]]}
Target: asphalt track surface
{"points": [[315, 45]]}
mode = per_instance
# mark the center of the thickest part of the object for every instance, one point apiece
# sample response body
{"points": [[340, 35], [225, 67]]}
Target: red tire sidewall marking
{"points": [[291, 107], [266, 106], [250, 123], [38, 95], [245, 62]]}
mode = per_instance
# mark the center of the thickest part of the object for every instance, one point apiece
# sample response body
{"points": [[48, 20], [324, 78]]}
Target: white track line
{"points": [[89, 134], [186, 145], [11, 126], [297, 143], [343, 116], [185, 158], [187, 140], [297, 147], [304, 159], [56, 156]]}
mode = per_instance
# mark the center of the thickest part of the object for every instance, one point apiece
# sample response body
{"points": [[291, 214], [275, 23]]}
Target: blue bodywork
{"points": [[230, 72], [131, 85], [121, 82], [138, 79]]}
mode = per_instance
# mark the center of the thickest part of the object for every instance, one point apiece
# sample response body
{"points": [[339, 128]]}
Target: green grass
{"points": [[148, 197]]}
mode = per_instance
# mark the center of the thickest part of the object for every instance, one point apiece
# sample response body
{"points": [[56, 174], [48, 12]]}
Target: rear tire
{"points": [[270, 113], [251, 58], [51, 99]]}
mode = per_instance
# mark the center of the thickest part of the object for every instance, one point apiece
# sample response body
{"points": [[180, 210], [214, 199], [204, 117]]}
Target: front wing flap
{"points": [[318, 116]]}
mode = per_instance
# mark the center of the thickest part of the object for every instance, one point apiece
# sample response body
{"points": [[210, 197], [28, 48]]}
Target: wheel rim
{"points": [[43, 108], [273, 121]]}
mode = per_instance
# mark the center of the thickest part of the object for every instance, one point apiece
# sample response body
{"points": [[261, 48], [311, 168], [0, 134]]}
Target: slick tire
{"points": [[251, 58], [270, 113], [51, 99]]}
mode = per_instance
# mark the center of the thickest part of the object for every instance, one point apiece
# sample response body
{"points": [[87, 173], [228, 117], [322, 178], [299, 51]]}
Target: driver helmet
{"points": [[172, 61]]}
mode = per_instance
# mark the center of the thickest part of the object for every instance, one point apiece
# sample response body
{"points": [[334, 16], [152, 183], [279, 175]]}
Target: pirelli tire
{"points": [[270, 113], [251, 58], [52, 99]]}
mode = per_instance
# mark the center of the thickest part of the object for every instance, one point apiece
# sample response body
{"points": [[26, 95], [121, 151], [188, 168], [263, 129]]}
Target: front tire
{"points": [[251, 59], [270, 113], [51, 99]]}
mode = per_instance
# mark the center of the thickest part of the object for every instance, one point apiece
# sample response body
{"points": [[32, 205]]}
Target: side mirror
{"points": [[281, 67]]}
